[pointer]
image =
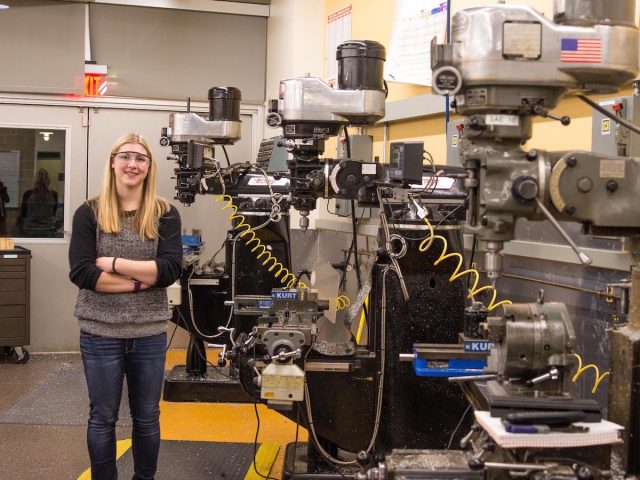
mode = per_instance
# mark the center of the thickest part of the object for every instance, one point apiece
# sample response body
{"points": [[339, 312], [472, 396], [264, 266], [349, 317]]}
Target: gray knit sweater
{"points": [[124, 315]]}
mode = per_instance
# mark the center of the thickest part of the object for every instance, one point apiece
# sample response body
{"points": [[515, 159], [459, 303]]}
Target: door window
{"points": [[32, 168]]}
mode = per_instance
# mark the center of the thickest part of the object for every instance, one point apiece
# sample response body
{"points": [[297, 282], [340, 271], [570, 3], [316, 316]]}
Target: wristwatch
{"points": [[137, 285]]}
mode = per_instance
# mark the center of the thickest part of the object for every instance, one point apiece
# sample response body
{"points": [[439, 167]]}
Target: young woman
{"points": [[125, 248]]}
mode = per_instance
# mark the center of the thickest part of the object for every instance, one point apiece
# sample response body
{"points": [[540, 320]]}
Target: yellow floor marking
{"points": [[264, 460], [121, 447]]}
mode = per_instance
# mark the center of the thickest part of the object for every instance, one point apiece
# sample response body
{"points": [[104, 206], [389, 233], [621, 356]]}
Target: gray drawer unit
{"points": [[15, 272]]}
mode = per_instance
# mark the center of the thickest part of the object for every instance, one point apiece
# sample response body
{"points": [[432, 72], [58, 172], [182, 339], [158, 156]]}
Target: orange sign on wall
{"points": [[95, 80], [95, 85]]}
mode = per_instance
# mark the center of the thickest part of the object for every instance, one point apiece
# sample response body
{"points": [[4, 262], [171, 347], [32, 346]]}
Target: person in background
{"points": [[125, 248], [4, 199], [38, 208]]}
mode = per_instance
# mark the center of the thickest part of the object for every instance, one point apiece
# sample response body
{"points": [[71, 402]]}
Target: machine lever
{"points": [[583, 257], [284, 355], [552, 374], [543, 112]]}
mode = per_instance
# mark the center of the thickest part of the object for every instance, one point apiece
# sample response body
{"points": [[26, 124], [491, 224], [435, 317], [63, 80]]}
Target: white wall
{"points": [[295, 41]]}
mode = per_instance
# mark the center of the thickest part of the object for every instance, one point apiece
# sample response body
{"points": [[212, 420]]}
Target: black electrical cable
{"points": [[474, 246], [395, 228], [200, 353], [605, 112], [346, 140], [312, 440], [171, 339], [295, 443], [226, 155], [255, 443], [255, 439], [354, 227]]}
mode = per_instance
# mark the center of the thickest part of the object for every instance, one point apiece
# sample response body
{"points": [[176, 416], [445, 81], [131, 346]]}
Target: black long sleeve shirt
{"points": [[83, 249]]}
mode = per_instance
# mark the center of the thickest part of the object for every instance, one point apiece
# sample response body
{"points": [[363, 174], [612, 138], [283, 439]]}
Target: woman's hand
{"points": [[105, 264]]}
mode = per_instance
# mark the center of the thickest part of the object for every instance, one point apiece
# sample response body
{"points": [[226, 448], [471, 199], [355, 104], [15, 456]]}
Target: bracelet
{"points": [[136, 286], [113, 265]]}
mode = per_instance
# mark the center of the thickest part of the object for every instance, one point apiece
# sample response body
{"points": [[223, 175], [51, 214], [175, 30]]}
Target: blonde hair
{"points": [[41, 182], [152, 207]]}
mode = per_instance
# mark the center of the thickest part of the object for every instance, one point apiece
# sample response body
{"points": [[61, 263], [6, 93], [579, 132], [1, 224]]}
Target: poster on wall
{"points": [[10, 175], [338, 31], [415, 25]]}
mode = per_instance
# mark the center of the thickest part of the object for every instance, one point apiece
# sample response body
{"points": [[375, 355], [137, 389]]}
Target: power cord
{"points": [[171, 339], [255, 443], [200, 352]]}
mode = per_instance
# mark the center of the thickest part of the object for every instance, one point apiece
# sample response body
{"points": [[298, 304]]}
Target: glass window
{"points": [[32, 182]]}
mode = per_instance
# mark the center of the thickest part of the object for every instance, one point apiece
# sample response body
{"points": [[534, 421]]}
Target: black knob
{"points": [[475, 464], [362, 458], [569, 209], [612, 186], [584, 473], [532, 154], [525, 189], [572, 161]]}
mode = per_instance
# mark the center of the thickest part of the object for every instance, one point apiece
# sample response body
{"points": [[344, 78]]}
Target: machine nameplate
{"points": [[477, 346], [368, 168], [612, 168], [265, 304], [504, 120], [10, 256], [280, 295], [522, 40], [282, 182], [477, 96]]}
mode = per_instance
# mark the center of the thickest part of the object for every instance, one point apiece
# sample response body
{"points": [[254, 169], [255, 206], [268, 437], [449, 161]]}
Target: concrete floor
{"points": [[58, 452]]}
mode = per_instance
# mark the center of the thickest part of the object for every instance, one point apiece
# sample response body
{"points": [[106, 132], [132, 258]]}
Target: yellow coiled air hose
{"points": [[260, 250], [474, 290]]}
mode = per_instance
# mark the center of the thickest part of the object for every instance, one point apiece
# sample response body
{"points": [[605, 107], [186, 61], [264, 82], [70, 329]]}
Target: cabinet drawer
{"points": [[13, 311], [13, 298], [12, 268], [17, 274], [13, 327], [12, 285], [12, 262]]}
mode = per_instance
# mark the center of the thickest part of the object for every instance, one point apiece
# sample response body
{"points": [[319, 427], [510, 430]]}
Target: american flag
{"points": [[581, 50]]}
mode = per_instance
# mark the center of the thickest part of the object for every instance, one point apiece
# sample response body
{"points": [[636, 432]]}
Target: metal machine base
{"points": [[215, 386], [298, 467]]}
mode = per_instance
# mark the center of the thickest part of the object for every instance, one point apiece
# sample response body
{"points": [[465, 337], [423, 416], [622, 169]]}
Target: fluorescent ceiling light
{"points": [[3, 6]]}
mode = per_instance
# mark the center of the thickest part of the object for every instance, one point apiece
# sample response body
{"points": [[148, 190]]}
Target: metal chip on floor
{"points": [[203, 460]]}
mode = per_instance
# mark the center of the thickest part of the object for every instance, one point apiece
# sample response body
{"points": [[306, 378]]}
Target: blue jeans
{"points": [[106, 362]]}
